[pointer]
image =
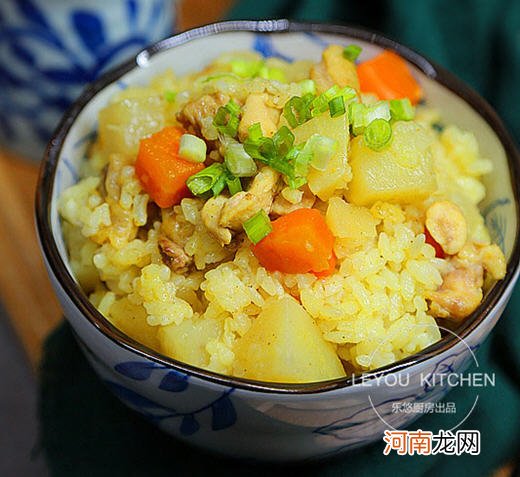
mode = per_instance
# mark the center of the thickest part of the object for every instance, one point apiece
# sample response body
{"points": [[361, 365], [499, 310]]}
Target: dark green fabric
{"points": [[87, 432]]}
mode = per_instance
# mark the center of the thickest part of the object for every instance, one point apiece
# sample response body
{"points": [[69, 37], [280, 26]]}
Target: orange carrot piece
{"points": [[300, 242], [161, 171], [332, 267], [387, 75]]}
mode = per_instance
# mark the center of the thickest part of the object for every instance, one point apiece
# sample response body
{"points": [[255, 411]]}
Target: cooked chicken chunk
{"points": [[334, 69], [173, 255], [244, 205], [194, 112], [211, 214], [447, 225], [255, 110], [285, 203], [460, 293]]}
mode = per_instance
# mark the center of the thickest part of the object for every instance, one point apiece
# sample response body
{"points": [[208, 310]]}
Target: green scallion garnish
{"points": [[246, 68], [254, 132], [402, 109], [258, 226], [208, 179], [296, 111], [233, 183], [351, 52], [227, 119], [379, 110], [170, 95], [356, 117], [307, 86], [378, 134], [192, 148], [321, 148], [238, 161], [336, 106], [275, 74]]}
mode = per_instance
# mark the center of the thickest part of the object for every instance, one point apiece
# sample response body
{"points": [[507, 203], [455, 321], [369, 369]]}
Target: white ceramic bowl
{"points": [[252, 419]]}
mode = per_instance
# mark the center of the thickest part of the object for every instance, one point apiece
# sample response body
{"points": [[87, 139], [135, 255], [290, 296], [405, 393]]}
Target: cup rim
{"points": [[56, 264]]}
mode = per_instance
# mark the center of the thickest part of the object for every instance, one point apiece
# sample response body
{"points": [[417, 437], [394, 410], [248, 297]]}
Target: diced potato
{"points": [[131, 320], [187, 341], [285, 345], [402, 172], [350, 221], [124, 123], [338, 173]]}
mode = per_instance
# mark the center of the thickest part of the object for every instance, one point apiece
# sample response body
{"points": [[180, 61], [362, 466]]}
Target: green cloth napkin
{"points": [[85, 431]]}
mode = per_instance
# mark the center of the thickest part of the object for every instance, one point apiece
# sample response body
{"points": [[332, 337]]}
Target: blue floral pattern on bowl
{"points": [[49, 50]]}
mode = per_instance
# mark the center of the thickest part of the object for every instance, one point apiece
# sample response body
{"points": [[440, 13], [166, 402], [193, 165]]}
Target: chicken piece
{"points": [[173, 255], [193, 114], [334, 69], [211, 215], [255, 110], [493, 261], [447, 225], [460, 293], [282, 206], [244, 205]]}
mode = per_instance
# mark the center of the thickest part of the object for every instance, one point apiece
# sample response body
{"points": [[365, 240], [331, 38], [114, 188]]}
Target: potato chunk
{"points": [[124, 123], [338, 172], [285, 345], [401, 173], [187, 341]]}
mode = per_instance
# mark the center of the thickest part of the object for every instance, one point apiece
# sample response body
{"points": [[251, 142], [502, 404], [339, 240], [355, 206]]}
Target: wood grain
{"points": [[25, 290]]}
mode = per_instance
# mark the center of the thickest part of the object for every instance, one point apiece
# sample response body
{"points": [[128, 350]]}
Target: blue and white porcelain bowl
{"points": [[257, 420], [51, 49]]}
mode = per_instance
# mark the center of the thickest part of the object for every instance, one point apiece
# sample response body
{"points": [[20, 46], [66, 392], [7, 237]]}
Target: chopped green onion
{"points": [[233, 108], [296, 182], [192, 148], [234, 184], [296, 111], [258, 226], [220, 76], [351, 52], [170, 95], [220, 185], [320, 104], [246, 68], [307, 86], [402, 109], [379, 110], [322, 149], [281, 165], [283, 140], [356, 117], [206, 179], [336, 106], [238, 161], [255, 132], [348, 93], [378, 134], [275, 74], [226, 119]]}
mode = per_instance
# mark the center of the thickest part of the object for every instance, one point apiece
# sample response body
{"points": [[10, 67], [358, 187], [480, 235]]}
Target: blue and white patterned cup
{"points": [[50, 49]]}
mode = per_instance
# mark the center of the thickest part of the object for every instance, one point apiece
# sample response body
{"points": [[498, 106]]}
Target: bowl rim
{"points": [[56, 265]]}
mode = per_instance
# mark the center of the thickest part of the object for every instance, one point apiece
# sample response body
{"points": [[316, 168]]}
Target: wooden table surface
{"points": [[25, 291]]}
